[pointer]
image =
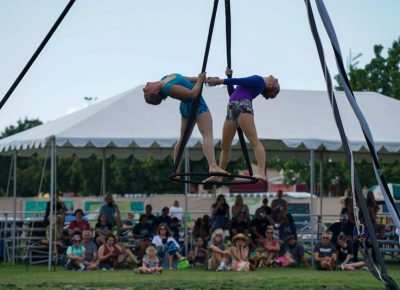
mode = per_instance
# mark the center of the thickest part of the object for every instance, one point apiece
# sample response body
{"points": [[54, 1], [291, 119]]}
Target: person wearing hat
{"points": [[240, 253], [342, 226], [78, 225], [76, 254], [181, 88]]}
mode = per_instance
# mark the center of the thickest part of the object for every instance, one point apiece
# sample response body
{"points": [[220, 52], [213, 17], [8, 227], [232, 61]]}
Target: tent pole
{"points": [[187, 169], [103, 175], [321, 182], [52, 197], [312, 179], [14, 208]]}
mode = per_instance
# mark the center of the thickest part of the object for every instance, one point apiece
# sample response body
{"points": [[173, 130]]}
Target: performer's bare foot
{"points": [[260, 176], [217, 169], [176, 178], [213, 179]]}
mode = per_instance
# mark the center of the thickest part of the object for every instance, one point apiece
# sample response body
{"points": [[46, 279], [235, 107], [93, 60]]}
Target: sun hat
{"points": [[239, 236]]}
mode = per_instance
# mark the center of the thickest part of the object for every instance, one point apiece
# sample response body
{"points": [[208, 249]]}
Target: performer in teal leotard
{"points": [[186, 89]]}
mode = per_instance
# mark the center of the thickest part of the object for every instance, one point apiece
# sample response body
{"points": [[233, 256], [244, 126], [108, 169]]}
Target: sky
{"points": [[104, 47]]}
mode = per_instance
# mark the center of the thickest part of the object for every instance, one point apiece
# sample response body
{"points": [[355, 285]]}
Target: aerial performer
{"points": [[240, 114], [186, 89]]}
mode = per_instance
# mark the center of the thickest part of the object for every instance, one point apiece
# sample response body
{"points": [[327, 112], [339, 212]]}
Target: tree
{"points": [[381, 74]]}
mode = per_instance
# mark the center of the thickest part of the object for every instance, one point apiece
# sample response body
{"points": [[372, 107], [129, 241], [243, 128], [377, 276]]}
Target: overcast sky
{"points": [[104, 47]]}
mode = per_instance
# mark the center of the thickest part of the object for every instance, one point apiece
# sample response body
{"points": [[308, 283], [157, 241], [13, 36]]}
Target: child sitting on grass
{"points": [[150, 263]]}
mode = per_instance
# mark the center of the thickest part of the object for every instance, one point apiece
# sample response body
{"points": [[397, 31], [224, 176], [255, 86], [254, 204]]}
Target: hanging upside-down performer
{"points": [[181, 88], [240, 114]]}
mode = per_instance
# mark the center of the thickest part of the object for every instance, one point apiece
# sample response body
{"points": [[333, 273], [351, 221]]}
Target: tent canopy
{"points": [[289, 126]]}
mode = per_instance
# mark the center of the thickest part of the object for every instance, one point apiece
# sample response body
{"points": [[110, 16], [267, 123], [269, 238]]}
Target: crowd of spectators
{"points": [[227, 239]]}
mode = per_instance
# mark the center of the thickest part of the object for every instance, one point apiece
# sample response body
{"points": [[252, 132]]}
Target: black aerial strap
{"points": [[382, 273], [363, 122], [196, 102], [36, 54], [230, 88]]}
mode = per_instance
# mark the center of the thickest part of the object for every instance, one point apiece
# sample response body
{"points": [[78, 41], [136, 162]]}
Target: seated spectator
{"points": [[150, 263], [240, 253], [151, 218], [286, 229], [258, 226], [166, 245], [164, 218], [76, 254], [111, 209], [373, 209], [268, 211], [239, 225], [279, 207], [240, 207], [198, 256], [126, 257], [293, 255], [176, 211], [269, 249], [174, 228], [142, 234], [78, 225], [218, 254], [91, 260], [325, 253], [102, 229], [343, 226], [220, 214], [348, 209], [345, 255], [58, 221], [108, 253]]}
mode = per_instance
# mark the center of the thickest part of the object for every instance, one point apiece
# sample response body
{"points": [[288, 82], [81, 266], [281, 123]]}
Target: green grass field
{"points": [[37, 277]]}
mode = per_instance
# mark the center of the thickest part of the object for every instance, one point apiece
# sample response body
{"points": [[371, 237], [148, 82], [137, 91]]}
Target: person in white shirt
{"points": [[176, 211]]}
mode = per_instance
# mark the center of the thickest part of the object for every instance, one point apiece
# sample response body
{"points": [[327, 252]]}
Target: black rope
{"points": [[350, 95], [390, 284], [235, 179], [36, 54], [230, 88], [195, 104]]}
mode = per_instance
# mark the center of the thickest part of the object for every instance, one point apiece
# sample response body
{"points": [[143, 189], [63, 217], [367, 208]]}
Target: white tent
{"points": [[290, 125]]}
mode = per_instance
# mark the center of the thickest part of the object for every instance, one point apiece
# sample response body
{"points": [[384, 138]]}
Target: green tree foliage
{"points": [[381, 74]]}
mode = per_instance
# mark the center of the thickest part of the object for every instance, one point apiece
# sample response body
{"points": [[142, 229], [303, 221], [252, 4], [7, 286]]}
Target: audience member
{"points": [[345, 255], [150, 263], [220, 214], [78, 225], [343, 226], [174, 228], [239, 225], [111, 209], [108, 253], [240, 207], [91, 260], [325, 253], [164, 218], [151, 218], [176, 211], [287, 229], [198, 256], [240, 253], [271, 246], [293, 256], [76, 254], [102, 229], [60, 211], [267, 209], [166, 245], [202, 228], [348, 209], [142, 233], [258, 226], [279, 207], [373, 209], [218, 253]]}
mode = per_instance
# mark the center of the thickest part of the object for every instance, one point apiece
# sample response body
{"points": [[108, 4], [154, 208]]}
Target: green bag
{"points": [[183, 264]]}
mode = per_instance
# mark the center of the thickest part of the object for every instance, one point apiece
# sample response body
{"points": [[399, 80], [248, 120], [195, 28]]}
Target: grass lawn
{"points": [[37, 277]]}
